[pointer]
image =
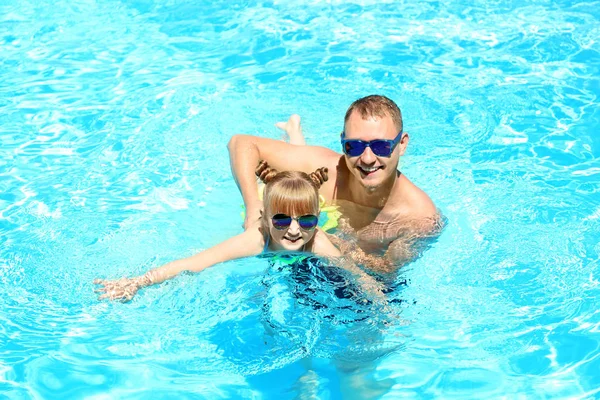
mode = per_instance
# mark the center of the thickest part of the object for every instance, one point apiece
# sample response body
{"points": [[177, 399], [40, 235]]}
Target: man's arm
{"points": [[245, 152], [404, 238], [412, 238], [352, 251], [324, 247]]}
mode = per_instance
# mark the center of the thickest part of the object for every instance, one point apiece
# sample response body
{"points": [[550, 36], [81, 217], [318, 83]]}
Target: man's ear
{"points": [[403, 143]]}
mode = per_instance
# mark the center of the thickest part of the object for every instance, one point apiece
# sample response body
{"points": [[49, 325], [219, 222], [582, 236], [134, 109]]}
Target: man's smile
{"points": [[368, 170]]}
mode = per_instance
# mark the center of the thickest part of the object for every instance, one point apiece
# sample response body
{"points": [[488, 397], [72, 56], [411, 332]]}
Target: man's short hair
{"points": [[376, 106]]}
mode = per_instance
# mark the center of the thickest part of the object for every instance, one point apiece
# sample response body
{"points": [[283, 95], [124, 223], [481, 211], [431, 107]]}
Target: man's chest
{"points": [[357, 216], [372, 228]]}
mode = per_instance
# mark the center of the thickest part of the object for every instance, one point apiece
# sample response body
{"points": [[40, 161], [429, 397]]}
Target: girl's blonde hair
{"points": [[293, 193]]}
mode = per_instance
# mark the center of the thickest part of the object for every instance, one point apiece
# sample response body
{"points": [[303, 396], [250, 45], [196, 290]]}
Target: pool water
{"points": [[114, 121]]}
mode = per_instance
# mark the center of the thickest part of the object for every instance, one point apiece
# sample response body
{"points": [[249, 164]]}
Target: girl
{"points": [[288, 223]]}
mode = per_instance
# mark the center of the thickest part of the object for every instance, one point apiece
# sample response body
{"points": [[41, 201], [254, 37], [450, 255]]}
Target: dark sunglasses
{"points": [[283, 221], [379, 147]]}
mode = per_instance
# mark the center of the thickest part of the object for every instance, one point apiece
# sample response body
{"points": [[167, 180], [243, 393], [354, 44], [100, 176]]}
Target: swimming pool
{"points": [[114, 120]]}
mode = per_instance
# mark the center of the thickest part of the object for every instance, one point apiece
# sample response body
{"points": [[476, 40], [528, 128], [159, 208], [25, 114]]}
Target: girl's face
{"points": [[291, 233]]}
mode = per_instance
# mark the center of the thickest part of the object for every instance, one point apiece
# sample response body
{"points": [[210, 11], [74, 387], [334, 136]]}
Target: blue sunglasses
{"points": [[283, 221], [379, 147]]}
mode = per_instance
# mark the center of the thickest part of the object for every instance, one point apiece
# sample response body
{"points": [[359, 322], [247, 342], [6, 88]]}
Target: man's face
{"points": [[369, 169]]}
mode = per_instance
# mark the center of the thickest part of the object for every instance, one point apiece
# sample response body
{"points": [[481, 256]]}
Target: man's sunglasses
{"points": [[379, 147], [283, 221]]}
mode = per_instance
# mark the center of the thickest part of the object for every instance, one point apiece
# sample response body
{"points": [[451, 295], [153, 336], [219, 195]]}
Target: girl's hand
{"points": [[122, 289]]}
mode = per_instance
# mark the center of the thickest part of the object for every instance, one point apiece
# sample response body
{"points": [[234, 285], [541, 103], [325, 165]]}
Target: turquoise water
{"points": [[114, 120]]}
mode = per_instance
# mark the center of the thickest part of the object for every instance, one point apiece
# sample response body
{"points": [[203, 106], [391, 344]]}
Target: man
{"points": [[385, 210]]}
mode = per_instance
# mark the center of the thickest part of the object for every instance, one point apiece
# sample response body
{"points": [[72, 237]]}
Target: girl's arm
{"points": [[249, 243]]}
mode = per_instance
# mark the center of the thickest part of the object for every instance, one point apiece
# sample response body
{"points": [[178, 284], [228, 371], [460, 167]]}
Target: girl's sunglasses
{"points": [[283, 221], [379, 147]]}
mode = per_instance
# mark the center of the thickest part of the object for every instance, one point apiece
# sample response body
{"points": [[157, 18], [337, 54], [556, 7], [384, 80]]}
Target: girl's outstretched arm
{"points": [[247, 244]]}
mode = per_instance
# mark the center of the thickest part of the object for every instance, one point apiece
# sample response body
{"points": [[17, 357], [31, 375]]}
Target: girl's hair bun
{"points": [[319, 176], [264, 172]]}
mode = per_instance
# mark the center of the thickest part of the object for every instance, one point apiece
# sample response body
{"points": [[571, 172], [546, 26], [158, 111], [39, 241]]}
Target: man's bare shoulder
{"points": [[410, 201]]}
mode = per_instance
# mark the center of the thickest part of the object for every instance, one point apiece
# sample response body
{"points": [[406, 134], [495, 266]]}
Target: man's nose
{"points": [[368, 157]]}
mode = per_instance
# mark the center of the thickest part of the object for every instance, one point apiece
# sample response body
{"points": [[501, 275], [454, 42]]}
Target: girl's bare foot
{"points": [[293, 129]]}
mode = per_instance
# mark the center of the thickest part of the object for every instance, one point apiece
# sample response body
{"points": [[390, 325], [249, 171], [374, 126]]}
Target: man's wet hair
{"points": [[376, 106]]}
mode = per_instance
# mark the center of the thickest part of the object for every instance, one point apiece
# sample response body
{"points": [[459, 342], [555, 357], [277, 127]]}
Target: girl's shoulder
{"points": [[255, 239]]}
